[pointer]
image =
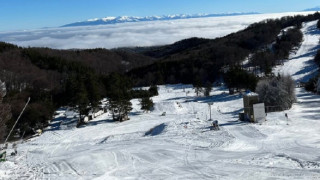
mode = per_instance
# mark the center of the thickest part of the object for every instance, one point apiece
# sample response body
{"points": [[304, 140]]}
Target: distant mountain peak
{"points": [[124, 19], [313, 9]]}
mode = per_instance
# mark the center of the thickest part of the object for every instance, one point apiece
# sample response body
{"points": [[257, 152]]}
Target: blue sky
{"points": [[31, 14]]}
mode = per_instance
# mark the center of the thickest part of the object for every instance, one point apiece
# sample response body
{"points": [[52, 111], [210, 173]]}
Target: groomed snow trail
{"points": [[180, 145], [300, 64]]}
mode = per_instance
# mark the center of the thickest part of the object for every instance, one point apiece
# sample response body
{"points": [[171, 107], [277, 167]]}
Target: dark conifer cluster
{"points": [[240, 79]]}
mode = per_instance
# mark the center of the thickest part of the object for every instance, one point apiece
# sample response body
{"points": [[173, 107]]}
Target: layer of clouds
{"points": [[134, 34]]}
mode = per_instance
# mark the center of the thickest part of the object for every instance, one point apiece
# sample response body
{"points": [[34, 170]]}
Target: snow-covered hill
{"points": [[124, 19], [180, 145]]}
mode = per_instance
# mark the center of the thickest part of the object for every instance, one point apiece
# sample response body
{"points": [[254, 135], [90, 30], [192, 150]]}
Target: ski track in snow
{"points": [[182, 146]]}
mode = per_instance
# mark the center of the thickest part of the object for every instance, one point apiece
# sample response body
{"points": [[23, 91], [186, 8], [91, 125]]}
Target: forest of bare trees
{"points": [[5, 112], [278, 92]]}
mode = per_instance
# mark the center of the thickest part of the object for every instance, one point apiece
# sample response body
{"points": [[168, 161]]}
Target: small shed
{"points": [[253, 110], [249, 99], [259, 112]]}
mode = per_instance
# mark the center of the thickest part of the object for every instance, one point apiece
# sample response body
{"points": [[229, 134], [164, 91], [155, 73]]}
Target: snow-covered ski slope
{"points": [[180, 145], [300, 64]]}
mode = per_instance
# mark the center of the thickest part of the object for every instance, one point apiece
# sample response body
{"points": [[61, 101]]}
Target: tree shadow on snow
{"points": [[69, 122], [313, 30], [135, 113], [315, 117], [233, 123], [308, 97], [94, 123], [312, 111], [156, 130], [310, 65], [178, 86], [181, 86], [308, 76], [305, 95], [309, 104], [55, 124], [310, 54], [235, 113], [215, 98]]}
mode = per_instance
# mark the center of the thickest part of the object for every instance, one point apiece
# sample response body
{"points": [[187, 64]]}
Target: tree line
{"points": [[5, 111], [52, 82], [268, 57], [238, 78]]}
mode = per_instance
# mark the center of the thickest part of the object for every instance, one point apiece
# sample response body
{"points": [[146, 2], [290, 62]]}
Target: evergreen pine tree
{"points": [[118, 91], [78, 96], [124, 107], [207, 89], [153, 90], [197, 85], [146, 104], [82, 102]]}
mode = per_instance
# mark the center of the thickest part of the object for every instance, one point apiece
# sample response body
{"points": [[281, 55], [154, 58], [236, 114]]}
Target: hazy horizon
{"points": [[22, 15]]}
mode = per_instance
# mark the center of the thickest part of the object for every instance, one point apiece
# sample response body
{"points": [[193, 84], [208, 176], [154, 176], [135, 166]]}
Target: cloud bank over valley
{"points": [[134, 34]]}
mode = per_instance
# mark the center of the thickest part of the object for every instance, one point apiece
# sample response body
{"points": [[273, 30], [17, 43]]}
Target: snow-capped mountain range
{"points": [[124, 19]]}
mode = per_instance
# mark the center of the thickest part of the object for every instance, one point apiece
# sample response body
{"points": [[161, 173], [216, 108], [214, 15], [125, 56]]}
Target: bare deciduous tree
{"points": [[5, 111], [277, 91]]}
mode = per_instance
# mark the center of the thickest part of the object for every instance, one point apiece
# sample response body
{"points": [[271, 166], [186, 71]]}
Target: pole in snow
{"points": [[17, 121], [210, 108]]}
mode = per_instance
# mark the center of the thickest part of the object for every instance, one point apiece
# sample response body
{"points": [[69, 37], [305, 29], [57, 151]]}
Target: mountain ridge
{"points": [[317, 8], [124, 19]]}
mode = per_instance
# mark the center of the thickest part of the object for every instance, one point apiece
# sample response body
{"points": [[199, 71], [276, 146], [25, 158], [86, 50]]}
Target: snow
{"points": [[107, 19], [94, 19], [180, 144], [251, 94]]}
